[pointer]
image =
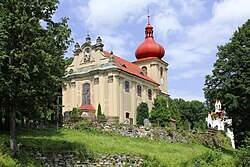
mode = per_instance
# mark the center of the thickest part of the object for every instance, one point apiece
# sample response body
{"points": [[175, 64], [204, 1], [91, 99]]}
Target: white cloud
{"points": [[198, 42], [190, 8], [109, 14], [166, 24], [116, 44], [189, 74], [231, 11]]}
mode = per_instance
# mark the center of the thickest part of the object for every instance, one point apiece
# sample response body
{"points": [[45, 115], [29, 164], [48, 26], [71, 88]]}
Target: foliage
{"points": [[99, 110], [151, 162], [192, 112], [211, 159], [32, 63], [85, 125], [6, 159], [142, 113], [243, 154], [163, 110], [100, 115], [160, 153], [230, 81], [75, 112]]}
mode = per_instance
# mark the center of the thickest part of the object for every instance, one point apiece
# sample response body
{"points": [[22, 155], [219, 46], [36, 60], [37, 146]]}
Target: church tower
{"points": [[149, 56]]}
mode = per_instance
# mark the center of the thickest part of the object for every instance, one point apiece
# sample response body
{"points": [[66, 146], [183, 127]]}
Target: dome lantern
{"points": [[149, 48]]}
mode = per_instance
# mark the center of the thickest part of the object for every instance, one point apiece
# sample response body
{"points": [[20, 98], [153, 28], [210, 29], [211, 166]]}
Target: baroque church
{"points": [[100, 77]]}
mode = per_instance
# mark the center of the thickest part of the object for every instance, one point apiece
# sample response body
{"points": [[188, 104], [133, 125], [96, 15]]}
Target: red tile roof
{"points": [[130, 67], [88, 107]]}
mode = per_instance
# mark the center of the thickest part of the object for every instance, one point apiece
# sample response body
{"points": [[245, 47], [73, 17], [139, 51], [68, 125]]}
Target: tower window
{"points": [[127, 86], [139, 90], [149, 94], [86, 94], [161, 71], [144, 69]]}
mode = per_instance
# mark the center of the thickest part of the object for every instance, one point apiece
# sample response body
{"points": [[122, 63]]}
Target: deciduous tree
{"points": [[230, 81], [31, 56]]}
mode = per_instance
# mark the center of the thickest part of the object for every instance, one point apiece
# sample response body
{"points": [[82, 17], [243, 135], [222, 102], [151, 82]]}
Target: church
{"points": [[100, 77]]}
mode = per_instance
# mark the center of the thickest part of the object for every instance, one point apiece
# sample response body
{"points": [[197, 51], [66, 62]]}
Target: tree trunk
{"points": [[13, 139]]}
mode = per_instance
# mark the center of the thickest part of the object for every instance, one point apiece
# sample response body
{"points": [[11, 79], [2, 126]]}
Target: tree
{"points": [[163, 110], [230, 81], [99, 110], [31, 57], [142, 113], [100, 115], [193, 113]]}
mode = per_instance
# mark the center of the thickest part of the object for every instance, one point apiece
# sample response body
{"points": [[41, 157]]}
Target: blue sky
{"points": [[189, 30]]}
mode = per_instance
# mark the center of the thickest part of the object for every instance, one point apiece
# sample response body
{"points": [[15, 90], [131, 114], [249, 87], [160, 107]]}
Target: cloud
{"points": [[231, 11], [198, 42], [109, 14], [189, 74], [191, 9]]}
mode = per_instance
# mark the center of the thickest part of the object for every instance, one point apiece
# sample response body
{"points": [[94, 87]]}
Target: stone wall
{"points": [[154, 133], [69, 159]]}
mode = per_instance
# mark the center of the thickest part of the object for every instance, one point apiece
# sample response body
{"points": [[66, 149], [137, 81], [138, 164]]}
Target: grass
{"points": [[168, 154]]}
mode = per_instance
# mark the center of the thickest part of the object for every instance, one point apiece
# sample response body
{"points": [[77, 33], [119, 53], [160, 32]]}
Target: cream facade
{"points": [[98, 77]]}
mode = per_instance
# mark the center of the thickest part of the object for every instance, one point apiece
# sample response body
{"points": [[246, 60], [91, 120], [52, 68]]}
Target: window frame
{"points": [[86, 94], [139, 90], [150, 93], [127, 86]]}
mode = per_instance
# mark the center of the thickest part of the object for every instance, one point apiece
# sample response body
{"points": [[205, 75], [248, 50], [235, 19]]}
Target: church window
{"points": [[86, 94], [144, 69], [127, 115], [139, 90], [149, 94], [127, 86]]}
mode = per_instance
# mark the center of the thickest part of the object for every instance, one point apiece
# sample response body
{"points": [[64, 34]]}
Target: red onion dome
{"points": [[149, 48]]}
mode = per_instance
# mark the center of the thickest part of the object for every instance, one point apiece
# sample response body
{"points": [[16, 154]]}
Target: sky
{"points": [[189, 30]]}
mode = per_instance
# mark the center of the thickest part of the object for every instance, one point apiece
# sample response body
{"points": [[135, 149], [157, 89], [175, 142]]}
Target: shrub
{"points": [[142, 113], [75, 112]]}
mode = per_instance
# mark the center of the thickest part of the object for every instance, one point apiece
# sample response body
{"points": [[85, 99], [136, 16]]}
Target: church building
{"points": [[100, 77]]}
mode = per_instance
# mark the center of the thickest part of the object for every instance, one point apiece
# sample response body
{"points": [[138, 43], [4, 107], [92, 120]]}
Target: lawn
{"points": [[168, 154]]}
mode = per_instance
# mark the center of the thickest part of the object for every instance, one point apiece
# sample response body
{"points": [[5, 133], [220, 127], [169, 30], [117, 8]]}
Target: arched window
{"points": [[127, 115], [144, 69], [139, 90], [149, 94], [127, 86], [86, 94]]}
